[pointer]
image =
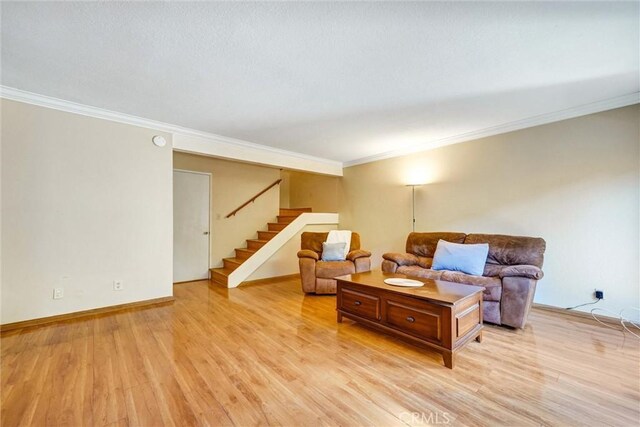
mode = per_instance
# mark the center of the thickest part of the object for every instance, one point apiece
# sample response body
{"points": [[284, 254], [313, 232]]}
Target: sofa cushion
{"points": [[331, 269], [424, 244], [333, 251], [511, 250], [469, 259], [417, 271], [492, 285]]}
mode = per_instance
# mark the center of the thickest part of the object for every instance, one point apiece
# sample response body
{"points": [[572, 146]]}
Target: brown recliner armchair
{"points": [[317, 276]]}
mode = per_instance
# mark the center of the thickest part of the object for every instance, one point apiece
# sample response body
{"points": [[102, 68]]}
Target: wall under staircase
{"points": [[273, 253]]}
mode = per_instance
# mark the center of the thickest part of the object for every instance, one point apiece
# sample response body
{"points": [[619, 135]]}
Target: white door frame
{"points": [[209, 197]]}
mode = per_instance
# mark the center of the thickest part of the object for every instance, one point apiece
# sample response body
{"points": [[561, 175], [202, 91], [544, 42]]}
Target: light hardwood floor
{"points": [[268, 355]]}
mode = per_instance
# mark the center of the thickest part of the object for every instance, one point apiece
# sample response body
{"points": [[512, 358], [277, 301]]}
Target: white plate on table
{"points": [[407, 283]]}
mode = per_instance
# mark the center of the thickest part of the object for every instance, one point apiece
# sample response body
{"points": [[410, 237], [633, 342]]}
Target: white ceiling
{"points": [[340, 81]]}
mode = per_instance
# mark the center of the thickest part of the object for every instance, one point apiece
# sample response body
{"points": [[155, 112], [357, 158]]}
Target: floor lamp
{"points": [[413, 204]]}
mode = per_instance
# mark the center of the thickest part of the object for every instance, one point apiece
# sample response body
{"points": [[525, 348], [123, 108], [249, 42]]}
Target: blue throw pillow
{"points": [[468, 259], [333, 251]]}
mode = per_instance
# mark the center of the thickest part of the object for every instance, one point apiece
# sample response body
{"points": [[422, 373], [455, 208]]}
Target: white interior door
{"points": [[191, 235]]}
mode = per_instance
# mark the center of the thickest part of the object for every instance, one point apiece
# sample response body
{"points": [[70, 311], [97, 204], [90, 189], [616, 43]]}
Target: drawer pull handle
{"points": [[357, 303], [411, 319]]}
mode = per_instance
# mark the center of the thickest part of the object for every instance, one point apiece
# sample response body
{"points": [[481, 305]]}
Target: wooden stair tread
{"points": [[255, 244], [293, 211], [270, 234], [244, 253], [220, 275], [223, 271], [232, 263], [276, 226], [286, 219], [296, 209]]}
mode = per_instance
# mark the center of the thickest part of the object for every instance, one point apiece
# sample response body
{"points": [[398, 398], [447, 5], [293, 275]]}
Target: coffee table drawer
{"points": [[361, 304], [422, 321]]}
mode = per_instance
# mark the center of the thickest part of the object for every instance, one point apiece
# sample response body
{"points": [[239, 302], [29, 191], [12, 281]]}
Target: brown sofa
{"points": [[317, 276], [511, 272]]}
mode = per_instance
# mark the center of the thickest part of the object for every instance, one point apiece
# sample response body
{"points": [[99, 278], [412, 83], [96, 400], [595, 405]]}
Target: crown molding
{"points": [[208, 143], [582, 110], [198, 142]]}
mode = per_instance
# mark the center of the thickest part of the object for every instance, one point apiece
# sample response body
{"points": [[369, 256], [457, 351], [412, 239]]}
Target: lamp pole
{"points": [[413, 204]]}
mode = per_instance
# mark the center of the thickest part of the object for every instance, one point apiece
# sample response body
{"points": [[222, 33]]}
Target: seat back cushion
{"points": [[333, 251], [511, 250], [424, 244], [468, 259], [313, 241]]}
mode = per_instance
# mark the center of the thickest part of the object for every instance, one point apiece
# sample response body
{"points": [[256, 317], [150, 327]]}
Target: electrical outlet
{"points": [[117, 285], [598, 294], [58, 293]]}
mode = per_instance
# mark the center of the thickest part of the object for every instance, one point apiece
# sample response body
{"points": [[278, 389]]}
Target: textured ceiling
{"points": [[340, 81]]}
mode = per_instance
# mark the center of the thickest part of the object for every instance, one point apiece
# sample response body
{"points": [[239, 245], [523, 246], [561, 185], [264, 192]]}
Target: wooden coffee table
{"points": [[441, 315]]}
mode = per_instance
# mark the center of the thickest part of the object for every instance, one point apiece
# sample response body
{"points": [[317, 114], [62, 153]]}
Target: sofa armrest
{"points": [[517, 297], [388, 266], [528, 271], [362, 264], [307, 273], [401, 259], [359, 253], [306, 253]]}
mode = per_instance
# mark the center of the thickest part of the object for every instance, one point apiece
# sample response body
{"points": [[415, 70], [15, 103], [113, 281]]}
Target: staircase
{"points": [[221, 275]]}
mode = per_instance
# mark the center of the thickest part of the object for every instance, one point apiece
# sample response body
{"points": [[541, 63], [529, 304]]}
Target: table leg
{"points": [[449, 359]]}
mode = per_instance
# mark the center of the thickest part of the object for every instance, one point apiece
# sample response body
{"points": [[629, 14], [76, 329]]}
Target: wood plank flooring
{"points": [[268, 355]]}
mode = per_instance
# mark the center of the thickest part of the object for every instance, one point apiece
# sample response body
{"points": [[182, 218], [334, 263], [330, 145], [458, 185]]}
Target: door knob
{"points": [[205, 233]]}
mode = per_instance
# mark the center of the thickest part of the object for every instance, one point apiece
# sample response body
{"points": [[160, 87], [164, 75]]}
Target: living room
{"points": [[487, 119]]}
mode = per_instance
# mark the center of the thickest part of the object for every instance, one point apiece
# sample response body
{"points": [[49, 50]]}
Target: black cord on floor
{"points": [[582, 305]]}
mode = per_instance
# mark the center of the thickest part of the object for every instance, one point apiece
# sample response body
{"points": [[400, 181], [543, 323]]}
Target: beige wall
{"points": [[84, 202], [319, 192], [574, 183], [232, 184]]}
